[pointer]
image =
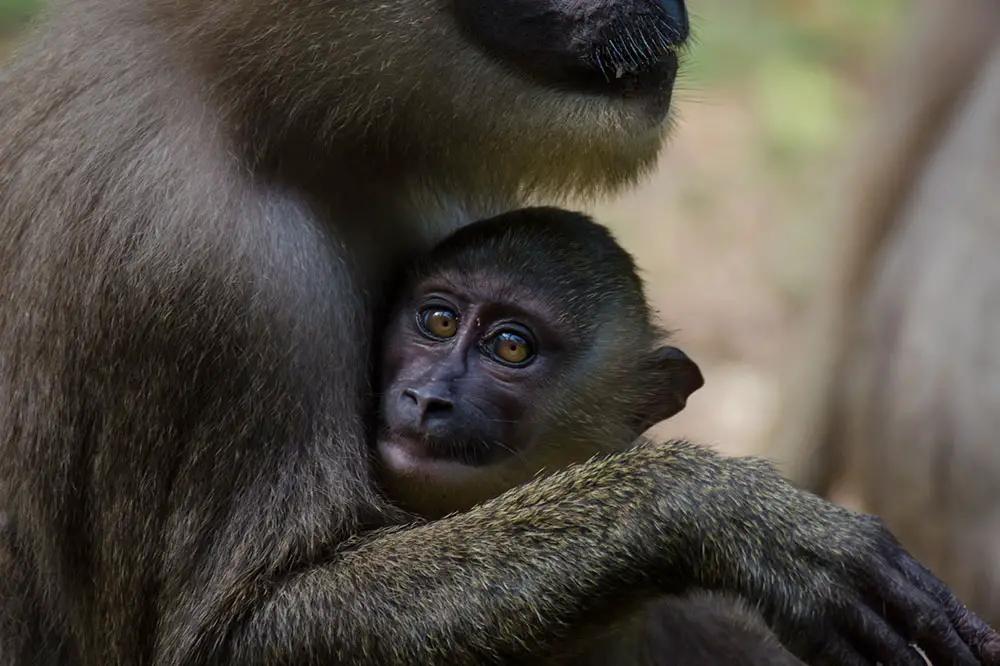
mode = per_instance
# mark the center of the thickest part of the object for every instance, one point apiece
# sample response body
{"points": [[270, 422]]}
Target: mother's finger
{"points": [[876, 639], [979, 636], [922, 619]]}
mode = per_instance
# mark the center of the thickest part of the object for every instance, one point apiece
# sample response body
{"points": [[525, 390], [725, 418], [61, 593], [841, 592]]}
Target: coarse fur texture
{"points": [[898, 412], [199, 203]]}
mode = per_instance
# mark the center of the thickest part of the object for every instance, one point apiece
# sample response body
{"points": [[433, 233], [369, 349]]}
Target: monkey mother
{"points": [[198, 202]]}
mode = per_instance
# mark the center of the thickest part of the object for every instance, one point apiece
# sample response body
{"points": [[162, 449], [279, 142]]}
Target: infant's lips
{"points": [[410, 457], [400, 454], [405, 443]]}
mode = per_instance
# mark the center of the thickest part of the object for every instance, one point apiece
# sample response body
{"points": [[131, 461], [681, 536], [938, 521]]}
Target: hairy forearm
{"points": [[539, 564], [502, 580]]}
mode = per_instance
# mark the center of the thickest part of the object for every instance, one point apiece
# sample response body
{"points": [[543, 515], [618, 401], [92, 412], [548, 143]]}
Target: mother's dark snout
{"points": [[609, 47]]}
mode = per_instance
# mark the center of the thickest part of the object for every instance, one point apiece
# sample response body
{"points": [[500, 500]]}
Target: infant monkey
{"points": [[521, 344]]}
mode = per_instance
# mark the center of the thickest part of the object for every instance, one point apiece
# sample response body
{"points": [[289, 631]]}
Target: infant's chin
{"points": [[433, 486], [401, 455]]}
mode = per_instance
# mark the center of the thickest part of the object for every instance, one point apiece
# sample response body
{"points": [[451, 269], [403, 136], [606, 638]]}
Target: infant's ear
{"points": [[673, 377]]}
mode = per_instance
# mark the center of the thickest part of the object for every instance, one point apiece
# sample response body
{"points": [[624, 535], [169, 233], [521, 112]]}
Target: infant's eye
{"points": [[511, 348], [438, 322]]}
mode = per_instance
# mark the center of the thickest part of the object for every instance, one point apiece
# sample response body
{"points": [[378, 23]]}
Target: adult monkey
{"points": [[199, 200], [899, 413]]}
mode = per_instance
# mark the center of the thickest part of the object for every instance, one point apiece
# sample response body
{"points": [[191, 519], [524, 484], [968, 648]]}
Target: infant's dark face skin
{"points": [[462, 371], [475, 378], [521, 344]]}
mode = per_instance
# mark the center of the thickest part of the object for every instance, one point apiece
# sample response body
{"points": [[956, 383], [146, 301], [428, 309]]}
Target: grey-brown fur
{"points": [[698, 630], [198, 202]]}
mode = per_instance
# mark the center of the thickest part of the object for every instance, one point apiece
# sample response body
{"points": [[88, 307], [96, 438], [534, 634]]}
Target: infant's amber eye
{"points": [[510, 347], [439, 322]]}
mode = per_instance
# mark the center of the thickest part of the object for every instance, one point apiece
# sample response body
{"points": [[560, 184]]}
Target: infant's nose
{"points": [[430, 403]]}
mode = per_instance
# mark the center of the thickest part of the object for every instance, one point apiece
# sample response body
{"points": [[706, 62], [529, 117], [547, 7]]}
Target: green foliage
{"points": [[799, 62], [15, 13], [734, 36]]}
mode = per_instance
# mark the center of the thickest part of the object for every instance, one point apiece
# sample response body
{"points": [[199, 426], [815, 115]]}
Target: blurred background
{"points": [[14, 15], [734, 230]]}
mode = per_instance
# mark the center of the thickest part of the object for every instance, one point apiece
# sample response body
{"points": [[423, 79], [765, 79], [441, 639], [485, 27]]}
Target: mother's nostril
{"points": [[678, 28], [641, 41]]}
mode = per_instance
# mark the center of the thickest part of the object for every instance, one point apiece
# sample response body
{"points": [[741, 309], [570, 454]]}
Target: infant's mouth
{"points": [[406, 448]]}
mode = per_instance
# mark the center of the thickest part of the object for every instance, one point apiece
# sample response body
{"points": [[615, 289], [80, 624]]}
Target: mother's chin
{"points": [[586, 87]]}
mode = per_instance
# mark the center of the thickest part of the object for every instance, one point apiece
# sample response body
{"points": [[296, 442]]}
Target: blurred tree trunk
{"points": [[895, 406]]}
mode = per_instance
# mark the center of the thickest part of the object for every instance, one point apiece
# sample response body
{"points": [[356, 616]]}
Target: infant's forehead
{"points": [[488, 283], [569, 304]]}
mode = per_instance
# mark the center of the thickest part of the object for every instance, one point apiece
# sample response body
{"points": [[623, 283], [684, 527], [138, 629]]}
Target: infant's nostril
{"points": [[428, 402], [436, 405]]}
